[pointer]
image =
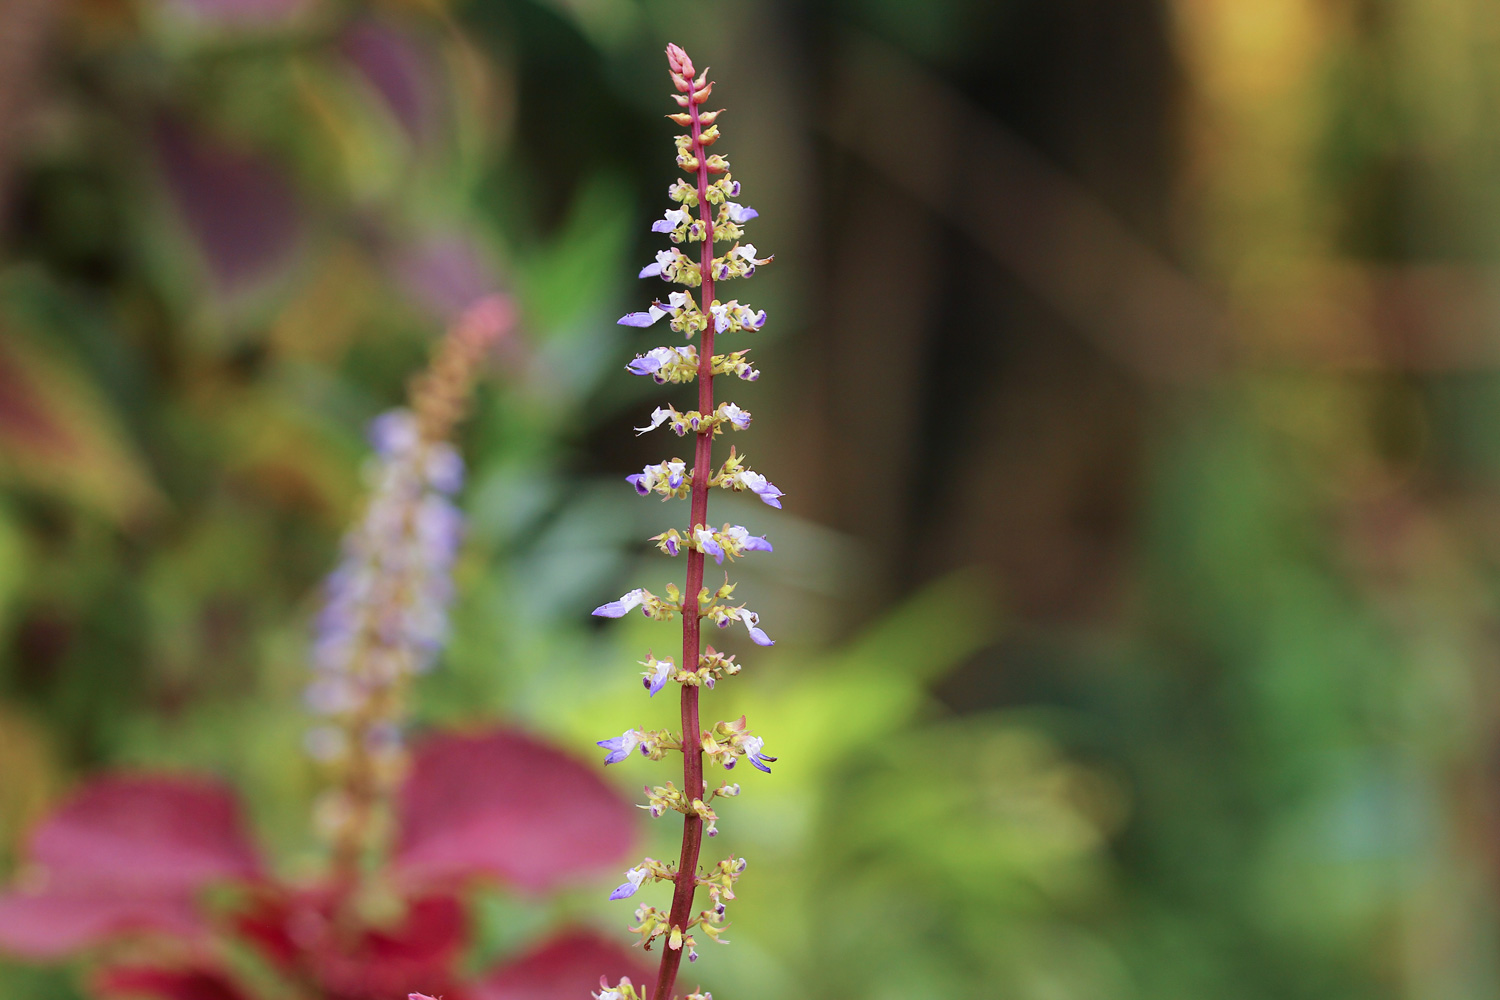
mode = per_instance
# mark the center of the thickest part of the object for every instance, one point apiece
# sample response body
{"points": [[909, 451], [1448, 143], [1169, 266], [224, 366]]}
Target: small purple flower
{"points": [[622, 746], [708, 545], [671, 546], [639, 482], [677, 477], [675, 217], [739, 537], [663, 264], [445, 469], [752, 625], [622, 607], [634, 878], [657, 678], [739, 419], [752, 746], [393, 433], [740, 213], [734, 189], [642, 319], [761, 487]]}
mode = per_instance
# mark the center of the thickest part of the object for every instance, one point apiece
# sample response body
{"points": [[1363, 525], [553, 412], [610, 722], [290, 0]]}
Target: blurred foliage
{"points": [[1264, 768]]}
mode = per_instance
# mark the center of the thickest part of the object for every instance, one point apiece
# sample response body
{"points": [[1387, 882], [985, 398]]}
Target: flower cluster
{"points": [[385, 616], [680, 364], [705, 212], [671, 478]]}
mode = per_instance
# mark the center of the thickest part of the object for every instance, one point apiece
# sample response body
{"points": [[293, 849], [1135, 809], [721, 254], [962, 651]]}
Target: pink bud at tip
{"points": [[678, 60]]}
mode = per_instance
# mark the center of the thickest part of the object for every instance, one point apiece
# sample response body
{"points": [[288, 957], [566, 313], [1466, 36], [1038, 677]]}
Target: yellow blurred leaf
{"points": [[58, 435]]}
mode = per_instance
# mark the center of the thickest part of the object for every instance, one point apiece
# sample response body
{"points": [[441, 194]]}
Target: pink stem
{"points": [[692, 753]]}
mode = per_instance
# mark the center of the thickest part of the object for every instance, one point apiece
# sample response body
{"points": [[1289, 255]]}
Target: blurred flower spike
{"points": [[385, 617], [702, 213], [123, 868]]}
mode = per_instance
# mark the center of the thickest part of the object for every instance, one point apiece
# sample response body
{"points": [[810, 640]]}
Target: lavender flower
{"points": [[621, 746], [752, 746], [760, 486], [633, 879], [658, 672], [619, 609]]}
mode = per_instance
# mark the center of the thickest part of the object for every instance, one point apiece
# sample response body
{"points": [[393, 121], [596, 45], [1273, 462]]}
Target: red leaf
{"points": [[151, 833], [125, 853], [53, 924], [297, 932], [507, 805], [166, 984], [565, 968]]}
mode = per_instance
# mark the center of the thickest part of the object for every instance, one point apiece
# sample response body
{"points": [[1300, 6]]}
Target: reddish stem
{"points": [[692, 752]]}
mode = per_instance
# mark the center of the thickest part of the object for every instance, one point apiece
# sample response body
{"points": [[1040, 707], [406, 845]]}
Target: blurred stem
{"points": [[692, 748]]}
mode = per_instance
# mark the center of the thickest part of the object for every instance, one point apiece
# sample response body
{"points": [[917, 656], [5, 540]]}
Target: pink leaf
{"points": [[154, 833], [565, 968], [126, 853], [166, 984], [397, 68], [444, 273], [507, 805], [51, 925], [239, 206]]}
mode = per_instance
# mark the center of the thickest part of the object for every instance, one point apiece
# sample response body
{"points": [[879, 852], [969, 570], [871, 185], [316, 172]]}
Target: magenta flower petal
{"points": [[506, 805]]}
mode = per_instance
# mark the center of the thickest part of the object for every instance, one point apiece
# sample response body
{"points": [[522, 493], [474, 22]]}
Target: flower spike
{"points": [[704, 211], [385, 615]]}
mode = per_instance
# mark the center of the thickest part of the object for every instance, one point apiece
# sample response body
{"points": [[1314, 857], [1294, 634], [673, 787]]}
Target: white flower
{"points": [[740, 213], [659, 416]]}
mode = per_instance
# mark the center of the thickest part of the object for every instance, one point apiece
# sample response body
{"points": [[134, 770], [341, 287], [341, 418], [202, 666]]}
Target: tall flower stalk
{"points": [[385, 616], [705, 214]]}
